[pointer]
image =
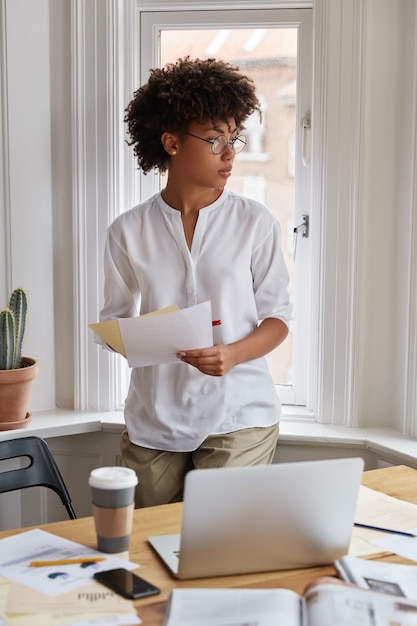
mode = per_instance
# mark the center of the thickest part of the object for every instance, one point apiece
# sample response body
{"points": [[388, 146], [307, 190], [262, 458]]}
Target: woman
{"points": [[192, 242]]}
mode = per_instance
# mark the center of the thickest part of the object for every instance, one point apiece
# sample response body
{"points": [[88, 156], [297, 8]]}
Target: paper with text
{"points": [[321, 605], [233, 607], [156, 339], [17, 551], [109, 331], [59, 616], [398, 579], [89, 598], [379, 509]]}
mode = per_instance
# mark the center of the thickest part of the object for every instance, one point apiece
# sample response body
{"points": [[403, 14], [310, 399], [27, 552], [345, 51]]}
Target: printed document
{"points": [[18, 551], [156, 338]]}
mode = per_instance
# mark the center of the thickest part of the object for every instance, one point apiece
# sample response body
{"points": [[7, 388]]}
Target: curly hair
{"points": [[180, 93]]}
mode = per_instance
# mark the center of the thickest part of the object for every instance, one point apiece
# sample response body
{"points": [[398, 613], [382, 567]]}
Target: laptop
{"points": [[240, 520]]}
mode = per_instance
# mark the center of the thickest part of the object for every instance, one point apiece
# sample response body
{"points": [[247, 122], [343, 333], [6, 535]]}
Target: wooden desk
{"points": [[399, 482]]}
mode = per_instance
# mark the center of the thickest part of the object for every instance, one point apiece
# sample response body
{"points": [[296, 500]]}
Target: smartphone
{"points": [[126, 583]]}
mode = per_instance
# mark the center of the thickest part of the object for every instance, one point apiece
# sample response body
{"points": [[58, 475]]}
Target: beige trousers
{"points": [[161, 474]]}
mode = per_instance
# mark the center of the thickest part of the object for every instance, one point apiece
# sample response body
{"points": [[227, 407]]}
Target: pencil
{"points": [[385, 530], [92, 559]]}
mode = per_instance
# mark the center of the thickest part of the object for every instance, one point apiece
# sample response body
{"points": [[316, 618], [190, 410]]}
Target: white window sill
{"points": [[297, 428]]}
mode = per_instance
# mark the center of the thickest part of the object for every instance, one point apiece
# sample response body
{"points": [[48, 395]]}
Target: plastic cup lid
{"points": [[112, 478]]}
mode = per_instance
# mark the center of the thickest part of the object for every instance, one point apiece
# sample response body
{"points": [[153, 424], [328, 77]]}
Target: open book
{"points": [[394, 578], [322, 605]]}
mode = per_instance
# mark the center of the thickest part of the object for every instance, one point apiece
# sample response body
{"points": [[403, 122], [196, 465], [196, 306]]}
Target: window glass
{"points": [[274, 166], [265, 168]]}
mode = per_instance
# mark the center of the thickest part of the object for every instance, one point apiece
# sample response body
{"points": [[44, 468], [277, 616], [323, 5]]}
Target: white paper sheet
{"points": [[56, 615], [233, 607], [399, 544], [91, 598], [379, 509], [395, 578], [18, 551], [156, 339]]}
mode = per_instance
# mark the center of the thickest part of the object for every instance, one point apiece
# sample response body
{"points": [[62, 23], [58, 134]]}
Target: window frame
{"points": [[101, 369], [150, 25]]}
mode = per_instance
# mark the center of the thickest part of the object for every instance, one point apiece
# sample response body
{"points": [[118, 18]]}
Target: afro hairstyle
{"points": [[180, 93]]}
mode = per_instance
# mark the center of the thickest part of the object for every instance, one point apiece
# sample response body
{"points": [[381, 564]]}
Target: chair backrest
{"points": [[41, 472]]}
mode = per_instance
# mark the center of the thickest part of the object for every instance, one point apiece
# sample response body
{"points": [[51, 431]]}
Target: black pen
{"points": [[385, 530]]}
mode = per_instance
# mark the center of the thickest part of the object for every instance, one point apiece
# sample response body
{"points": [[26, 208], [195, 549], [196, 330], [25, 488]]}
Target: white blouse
{"points": [[236, 262]]}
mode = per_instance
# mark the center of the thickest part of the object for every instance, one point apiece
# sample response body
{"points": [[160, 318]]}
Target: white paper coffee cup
{"points": [[113, 495]]}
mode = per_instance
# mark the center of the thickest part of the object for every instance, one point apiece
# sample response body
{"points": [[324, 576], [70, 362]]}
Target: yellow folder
{"points": [[110, 331]]}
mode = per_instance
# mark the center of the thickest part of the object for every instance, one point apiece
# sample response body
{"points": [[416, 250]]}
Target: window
{"points": [[270, 169]]}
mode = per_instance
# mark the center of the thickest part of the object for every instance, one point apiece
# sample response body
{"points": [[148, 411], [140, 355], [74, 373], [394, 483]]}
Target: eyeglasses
{"points": [[219, 143]]}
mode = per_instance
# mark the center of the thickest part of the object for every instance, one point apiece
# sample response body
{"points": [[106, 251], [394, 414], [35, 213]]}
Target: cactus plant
{"points": [[17, 372], [12, 329]]}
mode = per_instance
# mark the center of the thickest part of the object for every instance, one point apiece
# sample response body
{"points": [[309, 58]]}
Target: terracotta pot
{"points": [[15, 390]]}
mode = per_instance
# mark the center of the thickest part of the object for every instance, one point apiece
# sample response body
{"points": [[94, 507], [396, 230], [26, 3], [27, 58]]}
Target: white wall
{"points": [[387, 207], [26, 193], [62, 197], [364, 211]]}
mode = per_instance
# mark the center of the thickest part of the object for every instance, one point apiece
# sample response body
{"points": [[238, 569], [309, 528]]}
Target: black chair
{"points": [[41, 472]]}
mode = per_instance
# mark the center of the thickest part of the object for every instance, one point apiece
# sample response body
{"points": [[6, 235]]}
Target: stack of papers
{"points": [[157, 337], [379, 510], [59, 594], [395, 578]]}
